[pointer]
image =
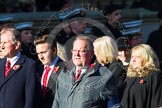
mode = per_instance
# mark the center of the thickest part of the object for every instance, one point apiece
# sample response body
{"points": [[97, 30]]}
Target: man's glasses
{"points": [[80, 51]]}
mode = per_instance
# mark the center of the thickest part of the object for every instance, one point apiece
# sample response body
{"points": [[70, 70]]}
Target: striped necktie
{"points": [[77, 75], [7, 69]]}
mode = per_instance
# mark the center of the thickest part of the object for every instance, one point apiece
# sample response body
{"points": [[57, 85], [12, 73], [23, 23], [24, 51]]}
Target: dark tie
{"points": [[47, 69], [77, 75], [7, 69]]}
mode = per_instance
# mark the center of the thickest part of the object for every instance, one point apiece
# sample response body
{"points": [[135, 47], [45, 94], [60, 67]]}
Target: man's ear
{"points": [[17, 44], [54, 50], [92, 54]]}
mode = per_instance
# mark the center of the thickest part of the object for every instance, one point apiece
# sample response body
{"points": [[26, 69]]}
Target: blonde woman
{"points": [[142, 87], [106, 52]]}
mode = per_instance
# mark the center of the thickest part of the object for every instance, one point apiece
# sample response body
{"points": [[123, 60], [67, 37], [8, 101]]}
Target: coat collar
{"points": [[17, 66]]}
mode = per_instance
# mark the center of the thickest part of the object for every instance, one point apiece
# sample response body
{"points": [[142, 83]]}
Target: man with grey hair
{"points": [[18, 84], [82, 83]]}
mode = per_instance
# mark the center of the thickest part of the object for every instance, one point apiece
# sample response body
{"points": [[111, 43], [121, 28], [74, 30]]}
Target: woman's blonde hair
{"points": [[107, 48], [150, 59]]}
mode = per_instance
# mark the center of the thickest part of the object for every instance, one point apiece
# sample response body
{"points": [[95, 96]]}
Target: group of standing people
{"points": [[94, 77]]}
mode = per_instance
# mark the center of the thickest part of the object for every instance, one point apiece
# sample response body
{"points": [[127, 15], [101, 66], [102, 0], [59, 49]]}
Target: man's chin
{"points": [[4, 54], [78, 64]]}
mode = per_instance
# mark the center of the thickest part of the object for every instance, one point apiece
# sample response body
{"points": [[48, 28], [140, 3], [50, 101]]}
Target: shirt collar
{"points": [[15, 58], [53, 63]]}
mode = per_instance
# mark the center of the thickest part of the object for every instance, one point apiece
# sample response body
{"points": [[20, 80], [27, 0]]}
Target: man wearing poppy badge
{"points": [[18, 84], [46, 49], [82, 83]]}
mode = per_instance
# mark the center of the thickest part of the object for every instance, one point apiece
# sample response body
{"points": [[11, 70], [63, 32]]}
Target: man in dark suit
{"points": [[46, 49], [18, 84]]}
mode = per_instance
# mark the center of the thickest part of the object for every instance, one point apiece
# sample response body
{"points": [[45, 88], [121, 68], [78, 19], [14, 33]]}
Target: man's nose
{"points": [[2, 46], [78, 53]]}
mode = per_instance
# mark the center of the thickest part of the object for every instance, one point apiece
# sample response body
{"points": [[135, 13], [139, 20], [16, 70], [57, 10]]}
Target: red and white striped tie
{"points": [[77, 75], [7, 69]]}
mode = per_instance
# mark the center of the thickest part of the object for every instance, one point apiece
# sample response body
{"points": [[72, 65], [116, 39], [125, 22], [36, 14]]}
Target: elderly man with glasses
{"points": [[82, 83]]}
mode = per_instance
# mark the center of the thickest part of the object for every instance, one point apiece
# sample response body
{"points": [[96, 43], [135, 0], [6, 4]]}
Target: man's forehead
{"points": [[5, 39], [83, 47], [80, 43], [6, 34], [79, 48], [42, 47]]}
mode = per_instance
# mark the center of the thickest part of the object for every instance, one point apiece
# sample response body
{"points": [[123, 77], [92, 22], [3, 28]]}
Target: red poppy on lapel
{"points": [[142, 81], [16, 67], [91, 66], [55, 69]]}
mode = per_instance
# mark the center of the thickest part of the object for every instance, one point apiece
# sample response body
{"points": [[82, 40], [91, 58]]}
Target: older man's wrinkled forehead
{"points": [[88, 44]]}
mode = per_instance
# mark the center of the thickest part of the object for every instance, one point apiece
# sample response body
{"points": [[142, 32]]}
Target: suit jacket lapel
{"points": [[2, 70], [52, 81], [17, 66], [91, 70], [54, 75], [88, 72]]}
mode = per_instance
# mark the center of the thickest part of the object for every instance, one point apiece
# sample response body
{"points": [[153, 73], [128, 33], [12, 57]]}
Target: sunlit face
{"points": [[8, 47], [27, 36], [136, 60], [45, 54], [80, 55]]}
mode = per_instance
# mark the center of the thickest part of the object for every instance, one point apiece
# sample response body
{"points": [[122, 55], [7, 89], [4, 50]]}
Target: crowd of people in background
{"points": [[13, 6], [95, 70]]}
